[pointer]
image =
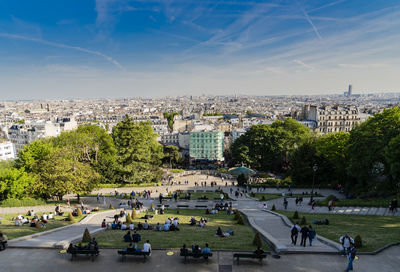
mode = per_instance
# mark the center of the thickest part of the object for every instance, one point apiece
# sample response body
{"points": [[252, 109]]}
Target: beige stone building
{"points": [[331, 118]]}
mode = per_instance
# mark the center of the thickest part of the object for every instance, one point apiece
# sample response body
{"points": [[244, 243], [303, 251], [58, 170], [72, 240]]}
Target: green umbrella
{"points": [[242, 170]]}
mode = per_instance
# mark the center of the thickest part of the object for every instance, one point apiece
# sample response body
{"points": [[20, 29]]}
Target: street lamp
{"points": [[315, 168]]}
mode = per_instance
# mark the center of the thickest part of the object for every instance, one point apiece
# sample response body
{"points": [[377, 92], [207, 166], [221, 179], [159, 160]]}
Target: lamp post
{"points": [[315, 168]]}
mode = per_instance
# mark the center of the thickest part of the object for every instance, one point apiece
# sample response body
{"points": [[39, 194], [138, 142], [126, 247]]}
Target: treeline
{"points": [[365, 161], [76, 161]]}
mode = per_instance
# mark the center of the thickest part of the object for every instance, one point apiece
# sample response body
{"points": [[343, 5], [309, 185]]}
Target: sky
{"points": [[153, 48]]}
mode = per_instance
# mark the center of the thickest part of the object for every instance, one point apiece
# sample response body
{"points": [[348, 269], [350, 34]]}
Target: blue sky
{"points": [[123, 48]]}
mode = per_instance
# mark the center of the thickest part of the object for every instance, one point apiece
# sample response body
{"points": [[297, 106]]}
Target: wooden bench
{"points": [[200, 206], [183, 206], [132, 253], [250, 256], [159, 206], [92, 253], [196, 255]]}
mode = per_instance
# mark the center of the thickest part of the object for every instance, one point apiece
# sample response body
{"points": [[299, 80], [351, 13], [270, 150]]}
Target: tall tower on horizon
{"points": [[350, 90]]}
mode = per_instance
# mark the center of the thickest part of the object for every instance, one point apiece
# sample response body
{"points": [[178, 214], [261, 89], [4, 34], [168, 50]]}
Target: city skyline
{"points": [[117, 48]]}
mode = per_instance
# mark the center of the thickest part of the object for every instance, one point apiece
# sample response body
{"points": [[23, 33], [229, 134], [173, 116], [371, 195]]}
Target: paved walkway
{"points": [[49, 260]]}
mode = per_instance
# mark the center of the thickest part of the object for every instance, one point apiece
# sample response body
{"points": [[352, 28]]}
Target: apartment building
{"points": [[7, 150], [206, 145]]}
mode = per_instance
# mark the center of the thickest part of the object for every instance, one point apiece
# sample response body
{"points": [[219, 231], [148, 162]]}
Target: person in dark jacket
{"points": [[304, 235], [128, 237], [136, 238]]}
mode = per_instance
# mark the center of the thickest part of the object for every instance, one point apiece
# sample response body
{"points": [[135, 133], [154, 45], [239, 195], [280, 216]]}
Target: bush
{"points": [[240, 220], [236, 217], [273, 207], [357, 241], [242, 180], [257, 240], [13, 202], [331, 197], [134, 214], [70, 217], [295, 215], [252, 194], [79, 212], [111, 207], [303, 221], [128, 219], [86, 236]]}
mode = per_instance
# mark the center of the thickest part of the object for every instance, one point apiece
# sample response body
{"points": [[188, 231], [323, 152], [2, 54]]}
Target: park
{"points": [[292, 202]]}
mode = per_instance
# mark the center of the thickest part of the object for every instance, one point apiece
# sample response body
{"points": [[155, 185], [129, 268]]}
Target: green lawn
{"points": [[196, 196], [375, 231], [365, 202], [7, 226], [242, 238], [275, 196]]}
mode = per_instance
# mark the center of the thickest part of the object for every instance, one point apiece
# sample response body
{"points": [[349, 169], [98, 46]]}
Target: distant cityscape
{"points": [[201, 126]]}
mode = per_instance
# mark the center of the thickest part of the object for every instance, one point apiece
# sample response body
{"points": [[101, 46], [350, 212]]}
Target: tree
{"points": [[369, 170], [242, 180], [301, 163], [392, 156], [138, 152], [33, 154], [14, 183], [60, 174], [170, 118], [172, 155]]}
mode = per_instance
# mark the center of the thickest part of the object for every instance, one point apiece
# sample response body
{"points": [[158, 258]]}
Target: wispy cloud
{"points": [[301, 63], [311, 23], [60, 45]]}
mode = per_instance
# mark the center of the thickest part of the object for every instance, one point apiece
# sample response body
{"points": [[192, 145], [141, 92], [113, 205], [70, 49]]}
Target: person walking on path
{"points": [[350, 257], [285, 203], [304, 235], [346, 242], [311, 234], [98, 197], [294, 230]]}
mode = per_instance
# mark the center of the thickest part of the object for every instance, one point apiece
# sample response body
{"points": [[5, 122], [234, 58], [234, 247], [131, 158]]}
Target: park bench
{"points": [[249, 256], [200, 206], [159, 206], [87, 252], [196, 255], [132, 253], [183, 206]]}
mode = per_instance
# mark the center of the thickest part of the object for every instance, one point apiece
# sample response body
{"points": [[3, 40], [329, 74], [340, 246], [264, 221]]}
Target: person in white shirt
{"points": [[123, 227], [176, 222], [346, 241], [131, 226], [168, 221], [147, 247], [51, 216]]}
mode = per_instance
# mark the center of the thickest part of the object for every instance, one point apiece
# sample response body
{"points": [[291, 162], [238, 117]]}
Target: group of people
{"points": [[36, 221], [306, 233], [202, 222], [348, 249], [196, 249], [133, 247], [227, 233], [92, 245]]}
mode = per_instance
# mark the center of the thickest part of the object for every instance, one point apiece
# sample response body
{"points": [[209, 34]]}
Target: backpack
{"points": [[295, 231]]}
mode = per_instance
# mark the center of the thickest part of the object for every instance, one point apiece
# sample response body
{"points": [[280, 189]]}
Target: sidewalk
{"points": [[60, 238]]}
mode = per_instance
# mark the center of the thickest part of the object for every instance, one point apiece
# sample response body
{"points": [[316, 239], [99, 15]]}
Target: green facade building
{"points": [[206, 145]]}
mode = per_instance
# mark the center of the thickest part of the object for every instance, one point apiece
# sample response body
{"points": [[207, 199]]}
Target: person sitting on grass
{"points": [[207, 211], [219, 232], [103, 224], [128, 237], [192, 221], [131, 226], [258, 251], [202, 223], [206, 250], [166, 227], [176, 222], [158, 227], [140, 226], [146, 225], [136, 238], [124, 226]]}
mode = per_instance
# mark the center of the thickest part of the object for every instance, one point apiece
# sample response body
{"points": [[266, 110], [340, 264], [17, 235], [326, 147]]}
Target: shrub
{"points": [[295, 215], [331, 197], [86, 236], [242, 180], [257, 240], [128, 219], [237, 214], [273, 207], [13, 202], [252, 194], [303, 221], [134, 214], [357, 241], [70, 217], [240, 220], [79, 212], [111, 207]]}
